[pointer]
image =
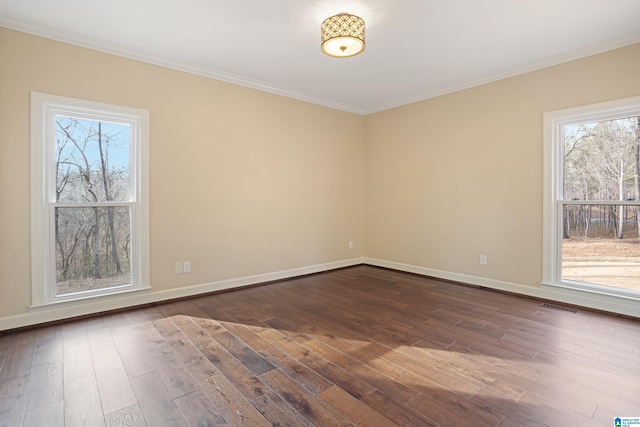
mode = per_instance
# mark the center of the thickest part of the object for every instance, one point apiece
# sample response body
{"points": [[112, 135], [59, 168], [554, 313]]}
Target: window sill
{"points": [[85, 299], [589, 288]]}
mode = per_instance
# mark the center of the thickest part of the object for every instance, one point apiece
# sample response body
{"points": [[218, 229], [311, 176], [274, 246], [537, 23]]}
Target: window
{"points": [[89, 210], [592, 198]]}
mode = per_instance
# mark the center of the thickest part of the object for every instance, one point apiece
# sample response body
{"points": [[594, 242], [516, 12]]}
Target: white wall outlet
{"points": [[186, 267], [350, 244], [178, 267], [483, 260]]}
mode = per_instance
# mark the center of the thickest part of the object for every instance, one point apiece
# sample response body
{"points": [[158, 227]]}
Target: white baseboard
{"points": [[116, 302], [607, 303], [72, 309]]}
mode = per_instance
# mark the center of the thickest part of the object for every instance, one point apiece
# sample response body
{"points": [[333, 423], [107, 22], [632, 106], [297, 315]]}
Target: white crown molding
{"points": [[602, 47], [102, 46]]}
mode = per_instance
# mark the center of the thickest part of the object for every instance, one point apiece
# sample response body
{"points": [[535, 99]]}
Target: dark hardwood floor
{"points": [[357, 346]]}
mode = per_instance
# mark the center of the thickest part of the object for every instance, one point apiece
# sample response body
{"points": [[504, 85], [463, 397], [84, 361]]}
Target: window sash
{"points": [[53, 281], [601, 202], [92, 114], [554, 123], [44, 109]]}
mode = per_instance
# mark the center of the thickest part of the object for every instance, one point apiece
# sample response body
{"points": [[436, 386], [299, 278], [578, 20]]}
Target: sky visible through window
{"points": [[87, 153], [118, 135]]}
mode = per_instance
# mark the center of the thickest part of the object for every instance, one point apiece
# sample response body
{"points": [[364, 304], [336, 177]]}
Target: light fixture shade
{"points": [[343, 35]]}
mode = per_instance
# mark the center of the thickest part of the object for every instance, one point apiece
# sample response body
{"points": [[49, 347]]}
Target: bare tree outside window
{"points": [[600, 222], [89, 200], [92, 217]]}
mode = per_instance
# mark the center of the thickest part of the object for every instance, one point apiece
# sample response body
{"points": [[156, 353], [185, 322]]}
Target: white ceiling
{"points": [[416, 49]]}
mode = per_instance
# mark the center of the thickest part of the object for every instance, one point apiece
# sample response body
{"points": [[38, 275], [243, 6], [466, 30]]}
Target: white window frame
{"points": [[44, 108], [553, 128]]}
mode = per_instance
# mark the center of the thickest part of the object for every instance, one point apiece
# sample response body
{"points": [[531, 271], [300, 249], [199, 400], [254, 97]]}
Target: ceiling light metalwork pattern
{"points": [[343, 35]]}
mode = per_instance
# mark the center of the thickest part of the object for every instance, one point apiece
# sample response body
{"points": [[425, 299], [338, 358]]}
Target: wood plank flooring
{"points": [[359, 346]]}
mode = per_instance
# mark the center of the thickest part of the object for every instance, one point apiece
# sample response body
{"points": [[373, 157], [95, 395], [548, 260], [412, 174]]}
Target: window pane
{"points": [[92, 248], [600, 160], [600, 245], [92, 161]]}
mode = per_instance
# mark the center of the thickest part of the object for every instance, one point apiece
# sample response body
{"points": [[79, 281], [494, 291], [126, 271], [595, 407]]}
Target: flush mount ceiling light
{"points": [[342, 35]]}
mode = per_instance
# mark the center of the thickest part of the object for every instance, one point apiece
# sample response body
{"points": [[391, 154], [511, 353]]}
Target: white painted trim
{"points": [[102, 46], [101, 304], [552, 153], [602, 47], [129, 300], [553, 175], [43, 110], [568, 296]]}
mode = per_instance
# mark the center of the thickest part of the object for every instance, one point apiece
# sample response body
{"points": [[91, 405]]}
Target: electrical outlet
{"points": [[350, 244], [186, 267], [178, 267], [483, 260]]}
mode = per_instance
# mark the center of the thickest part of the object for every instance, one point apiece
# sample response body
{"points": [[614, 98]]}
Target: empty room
{"points": [[292, 213]]}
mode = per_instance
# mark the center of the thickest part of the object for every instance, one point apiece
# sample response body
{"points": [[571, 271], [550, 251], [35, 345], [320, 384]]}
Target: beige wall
{"points": [[241, 182], [460, 175], [245, 183]]}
